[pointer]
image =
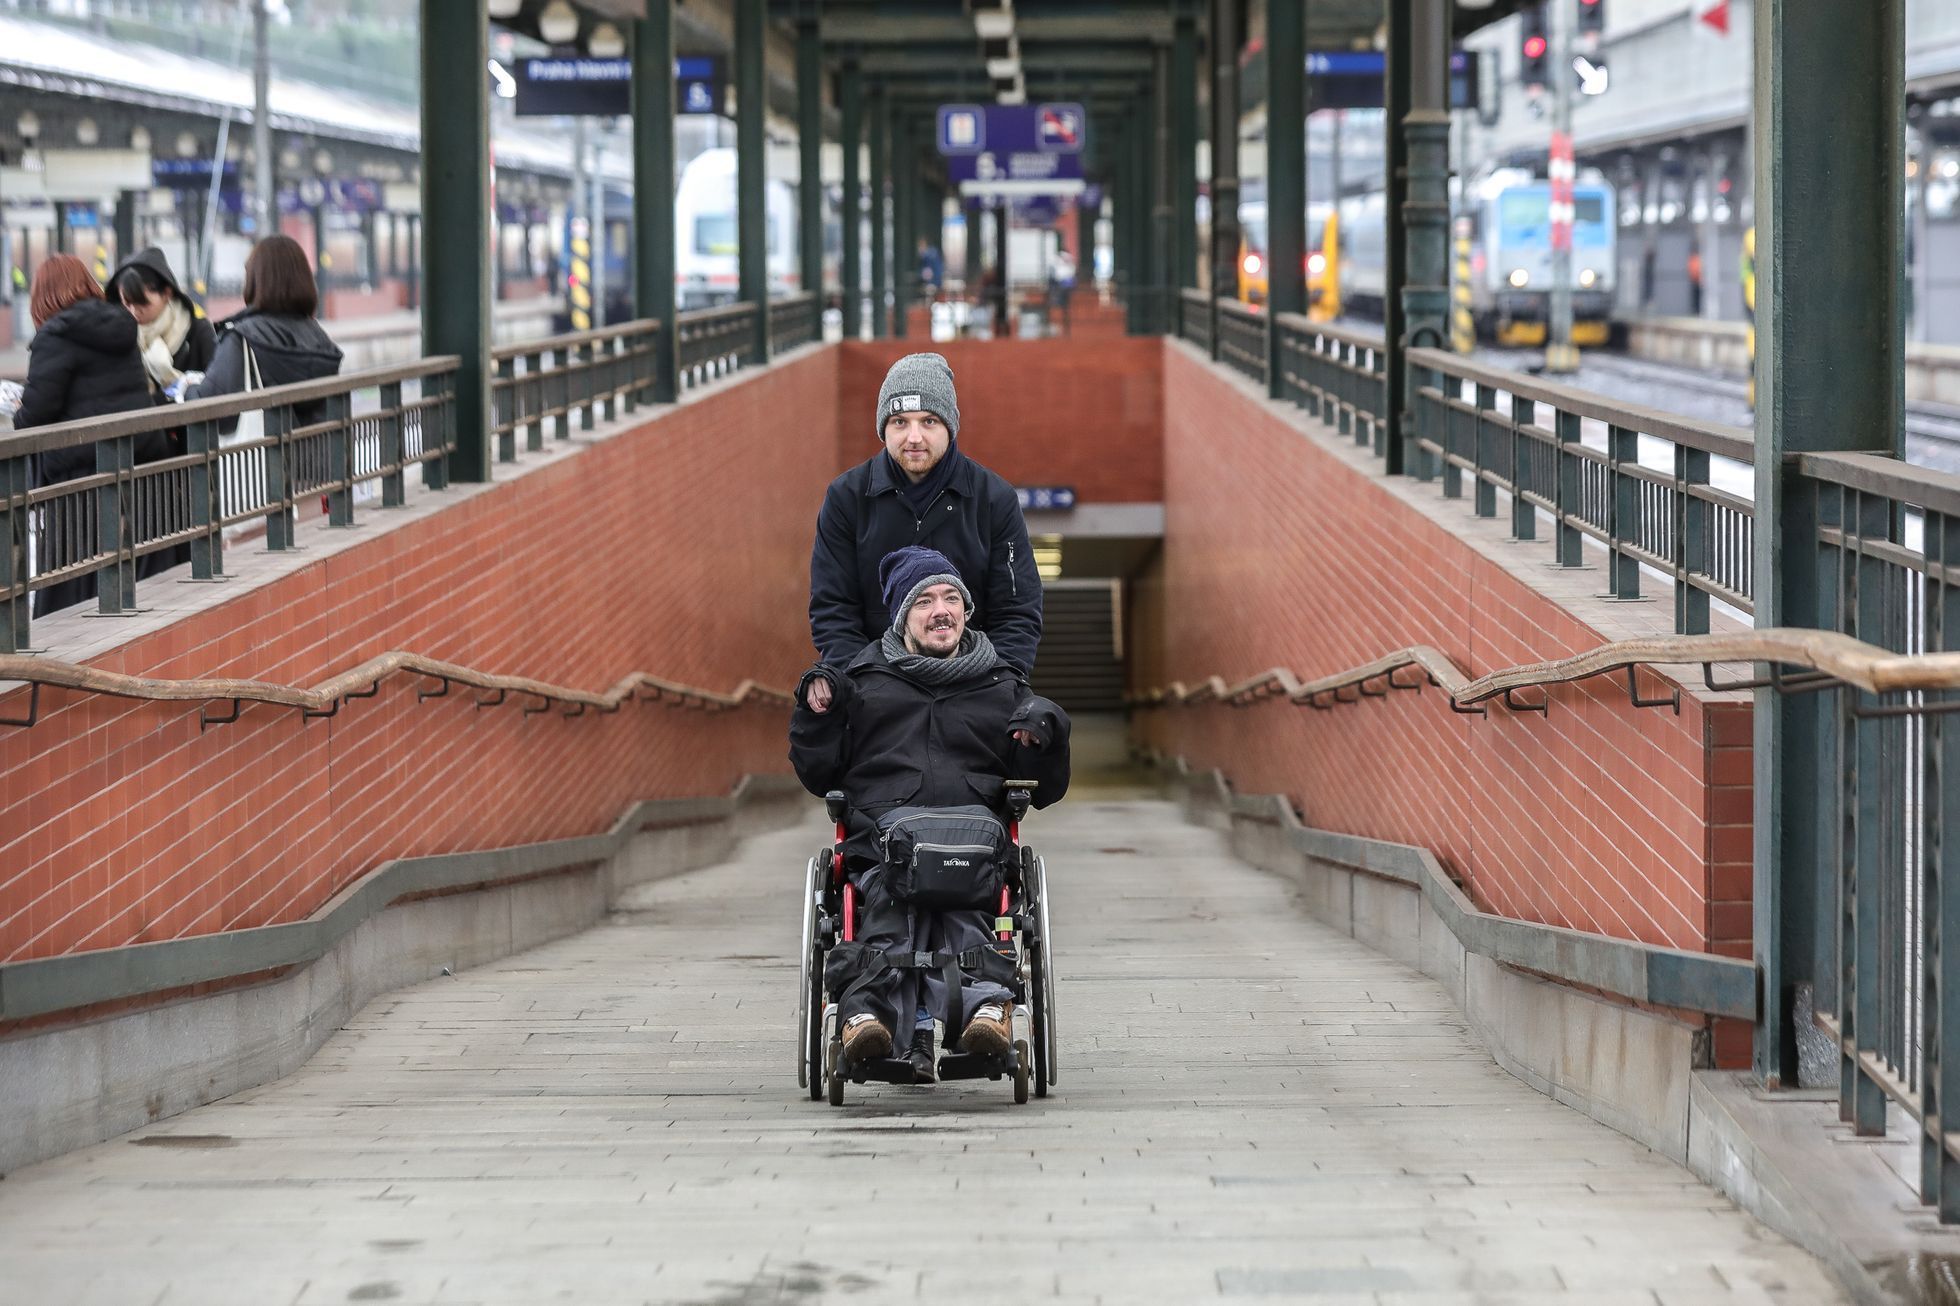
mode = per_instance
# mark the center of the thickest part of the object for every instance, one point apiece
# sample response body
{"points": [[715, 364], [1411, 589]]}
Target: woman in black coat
{"points": [[173, 335], [82, 362]]}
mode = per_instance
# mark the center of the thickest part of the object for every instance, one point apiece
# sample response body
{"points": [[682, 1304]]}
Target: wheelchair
{"points": [[830, 916]]}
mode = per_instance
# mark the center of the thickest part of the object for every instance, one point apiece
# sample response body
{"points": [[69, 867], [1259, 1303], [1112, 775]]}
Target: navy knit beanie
{"points": [[909, 572]]}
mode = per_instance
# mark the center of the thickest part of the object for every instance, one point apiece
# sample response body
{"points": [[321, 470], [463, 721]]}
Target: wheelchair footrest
{"points": [[975, 1065], [883, 1070]]}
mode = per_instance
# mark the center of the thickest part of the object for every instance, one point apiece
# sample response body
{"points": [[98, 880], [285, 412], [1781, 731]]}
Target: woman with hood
{"points": [[276, 340], [175, 338], [82, 362]]}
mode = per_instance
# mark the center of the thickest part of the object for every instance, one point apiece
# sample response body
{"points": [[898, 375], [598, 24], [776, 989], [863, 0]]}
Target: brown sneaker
{"points": [[865, 1039], [991, 1031]]}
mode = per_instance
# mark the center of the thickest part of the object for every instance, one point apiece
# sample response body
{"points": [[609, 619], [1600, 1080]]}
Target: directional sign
{"points": [[1716, 16], [1352, 79], [1046, 497], [1593, 78]]}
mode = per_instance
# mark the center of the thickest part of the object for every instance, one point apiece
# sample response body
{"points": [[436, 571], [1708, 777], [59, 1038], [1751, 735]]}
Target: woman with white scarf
{"points": [[173, 335]]}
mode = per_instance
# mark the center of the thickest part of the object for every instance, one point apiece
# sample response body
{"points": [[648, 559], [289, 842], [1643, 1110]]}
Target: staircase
{"points": [[1079, 665]]}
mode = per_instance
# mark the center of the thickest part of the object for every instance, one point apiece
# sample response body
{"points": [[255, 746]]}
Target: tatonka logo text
{"points": [[958, 861]]}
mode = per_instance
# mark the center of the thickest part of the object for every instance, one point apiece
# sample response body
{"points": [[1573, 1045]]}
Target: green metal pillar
{"points": [[850, 109], [456, 217], [653, 188], [1416, 118], [904, 198], [1829, 141], [880, 184], [809, 145], [1286, 178], [1184, 147], [1161, 157], [1224, 156], [751, 166]]}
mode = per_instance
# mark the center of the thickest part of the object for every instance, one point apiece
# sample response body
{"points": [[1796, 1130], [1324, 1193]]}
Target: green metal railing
{"points": [[1670, 497], [1194, 318], [713, 342], [1242, 339], [794, 320], [1335, 374], [195, 480], [585, 374]]}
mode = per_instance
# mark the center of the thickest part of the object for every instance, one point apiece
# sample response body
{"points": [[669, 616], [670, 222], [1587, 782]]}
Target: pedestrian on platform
{"points": [[171, 329], [276, 340], [82, 362], [919, 489]]}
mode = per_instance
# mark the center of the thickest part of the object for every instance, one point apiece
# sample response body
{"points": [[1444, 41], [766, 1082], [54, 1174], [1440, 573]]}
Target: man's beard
{"points": [[916, 647]]}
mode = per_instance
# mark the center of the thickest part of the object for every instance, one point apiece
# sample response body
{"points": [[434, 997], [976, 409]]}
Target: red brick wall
{"points": [[120, 822], [1624, 821], [1086, 413]]}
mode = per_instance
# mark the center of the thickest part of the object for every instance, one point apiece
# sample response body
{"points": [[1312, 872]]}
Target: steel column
{"points": [[850, 96], [1415, 294], [880, 183], [1184, 147], [1225, 156], [1829, 137], [456, 217], [1286, 178], [653, 189], [904, 198], [751, 167], [809, 145], [1163, 162]]}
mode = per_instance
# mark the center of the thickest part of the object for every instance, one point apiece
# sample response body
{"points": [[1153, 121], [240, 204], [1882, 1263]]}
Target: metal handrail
{"points": [[794, 320], [1825, 658], [712, 342], [363, 681], [573, 339]]}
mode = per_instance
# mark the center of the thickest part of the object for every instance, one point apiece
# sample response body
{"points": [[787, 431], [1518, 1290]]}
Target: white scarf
{"points": [[161, 337]]}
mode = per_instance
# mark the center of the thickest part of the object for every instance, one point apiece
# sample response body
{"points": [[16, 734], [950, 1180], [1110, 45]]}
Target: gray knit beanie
{"points": [[920, 383]]}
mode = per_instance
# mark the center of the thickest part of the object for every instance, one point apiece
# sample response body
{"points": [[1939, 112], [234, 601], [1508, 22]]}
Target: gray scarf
{"points": [[974, 656]]}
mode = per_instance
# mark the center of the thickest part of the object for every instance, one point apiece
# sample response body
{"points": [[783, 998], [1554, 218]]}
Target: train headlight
{"points": [[1252, 265], [1588, 278], [1316, 264], [1520, 278]]}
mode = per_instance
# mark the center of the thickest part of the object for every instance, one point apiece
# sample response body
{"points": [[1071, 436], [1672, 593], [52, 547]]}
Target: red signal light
{"points": [[1534, 47]]}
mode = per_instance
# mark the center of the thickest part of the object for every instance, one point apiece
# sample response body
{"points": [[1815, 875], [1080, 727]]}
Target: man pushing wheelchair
{"points": [[928, 734]]}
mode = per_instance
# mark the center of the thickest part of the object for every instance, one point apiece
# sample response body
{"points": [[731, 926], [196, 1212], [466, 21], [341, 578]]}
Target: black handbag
{"points": [[944, 857]]}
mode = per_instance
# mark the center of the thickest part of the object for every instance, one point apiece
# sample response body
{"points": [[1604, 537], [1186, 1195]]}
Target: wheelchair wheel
{"points": [[813, 996], [809, 997], [1037, 1016], [1020, 1072], [834, 1072], [1044, 993]]}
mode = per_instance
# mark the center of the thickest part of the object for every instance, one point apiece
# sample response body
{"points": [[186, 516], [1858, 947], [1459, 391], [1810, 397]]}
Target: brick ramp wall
{"points": [[680, 548], [1086, 413], [1600, 816]]}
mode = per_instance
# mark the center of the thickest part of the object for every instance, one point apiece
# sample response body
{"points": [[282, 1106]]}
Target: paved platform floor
{"points": [[1252, 1106]]}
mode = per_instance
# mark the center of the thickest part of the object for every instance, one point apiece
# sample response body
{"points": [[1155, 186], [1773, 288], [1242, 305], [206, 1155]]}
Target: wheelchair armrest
{"points": [[835, 804]]}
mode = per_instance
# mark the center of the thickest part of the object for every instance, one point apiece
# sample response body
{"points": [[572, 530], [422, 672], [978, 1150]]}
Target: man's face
{"points": [[936, 622], [916, 442]]}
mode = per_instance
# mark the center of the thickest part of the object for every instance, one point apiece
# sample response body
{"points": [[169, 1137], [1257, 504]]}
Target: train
{"points": [[1504, 216]]}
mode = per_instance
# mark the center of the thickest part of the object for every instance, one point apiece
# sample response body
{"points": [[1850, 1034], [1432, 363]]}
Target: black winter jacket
{"points": [[889, 741], [286, 349], [83, 363], [976, 522]]}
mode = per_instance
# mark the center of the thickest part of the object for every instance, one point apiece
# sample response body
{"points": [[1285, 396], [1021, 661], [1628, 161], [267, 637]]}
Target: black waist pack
{"points": [[944, 857]]}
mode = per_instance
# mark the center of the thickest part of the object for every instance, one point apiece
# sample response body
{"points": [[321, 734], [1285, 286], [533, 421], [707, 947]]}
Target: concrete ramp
{"points": [[1252, 1106]]}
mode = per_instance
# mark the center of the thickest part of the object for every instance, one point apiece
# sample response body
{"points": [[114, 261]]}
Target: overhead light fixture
{"points": [[1003, 57], [186, 145], [139, 139], [507, 9], [993, 19], [28, 124], [558, 24], [605, 42], [87, 133], [1011, 90]]}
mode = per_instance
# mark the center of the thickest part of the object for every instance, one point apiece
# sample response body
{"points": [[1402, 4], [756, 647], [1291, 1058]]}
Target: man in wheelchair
{"points": [[922, 732]]}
